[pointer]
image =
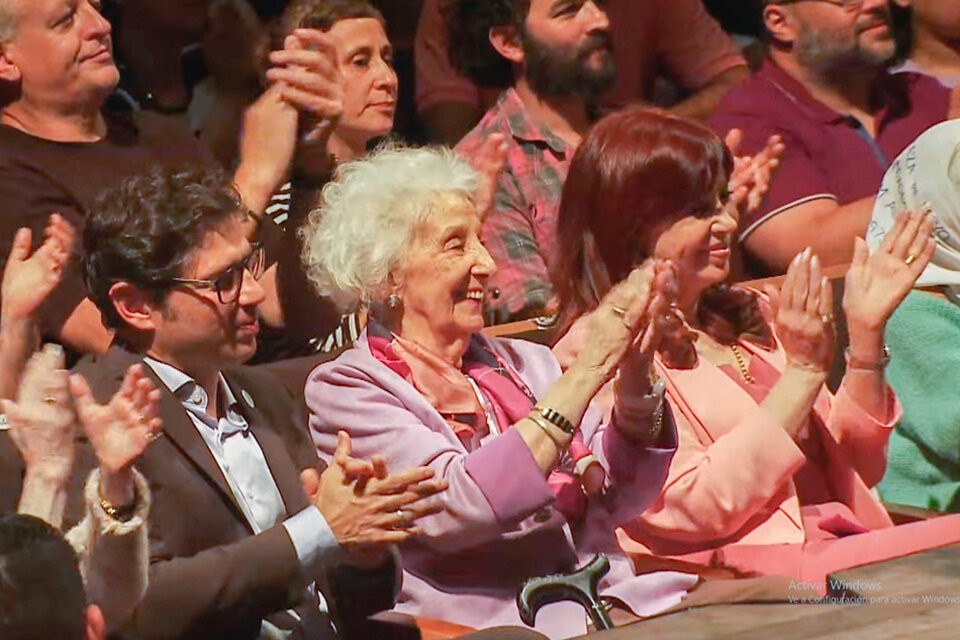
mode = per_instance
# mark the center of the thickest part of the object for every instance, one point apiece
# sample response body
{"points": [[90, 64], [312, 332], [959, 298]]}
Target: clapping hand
{"points": [[119, 430], [30, 276], [803, 314], [42, 420], [367, 508], [750, 178], [878, 282], [309, 77]]}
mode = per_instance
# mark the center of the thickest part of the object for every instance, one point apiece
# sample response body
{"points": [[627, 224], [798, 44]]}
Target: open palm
{"points": [[877, 282], [29, 277], [121, 429]]}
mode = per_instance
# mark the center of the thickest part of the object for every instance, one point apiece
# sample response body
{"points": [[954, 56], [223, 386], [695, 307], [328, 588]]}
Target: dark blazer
{"points": [[210, 576]]}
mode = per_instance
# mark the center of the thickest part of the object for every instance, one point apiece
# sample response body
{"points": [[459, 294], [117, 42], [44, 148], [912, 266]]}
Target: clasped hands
{"points": [[368, 508]]}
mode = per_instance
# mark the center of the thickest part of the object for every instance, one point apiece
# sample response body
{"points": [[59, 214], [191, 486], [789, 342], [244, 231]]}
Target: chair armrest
{"points": [[903, 514], [418, 628]]}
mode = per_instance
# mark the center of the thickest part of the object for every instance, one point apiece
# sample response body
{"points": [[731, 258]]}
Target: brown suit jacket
{"points": [[210, 576]]}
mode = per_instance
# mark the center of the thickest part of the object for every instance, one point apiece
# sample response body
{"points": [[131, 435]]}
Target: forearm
{"points": [[867, 386], [777, 241], [256, 186], [703, 103], [569, 396], [43, 496], [791, 399], [18, 340]]}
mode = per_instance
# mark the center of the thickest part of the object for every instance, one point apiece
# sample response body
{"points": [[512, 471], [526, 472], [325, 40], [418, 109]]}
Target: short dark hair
{"points": [[41, 591], [321, 15], [468, 34], [145, 230]]}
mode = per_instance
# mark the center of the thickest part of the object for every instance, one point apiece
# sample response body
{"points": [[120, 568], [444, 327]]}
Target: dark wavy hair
{"points": [[636, 171], [145, 230], [41, 592], [468, 34]]}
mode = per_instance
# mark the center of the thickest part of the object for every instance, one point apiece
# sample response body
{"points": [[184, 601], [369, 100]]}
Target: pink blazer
{"points": [[730, 483], [497, 527]]}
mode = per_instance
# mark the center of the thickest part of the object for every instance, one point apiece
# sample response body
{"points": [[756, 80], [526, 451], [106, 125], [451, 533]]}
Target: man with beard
{"points": [[825, 88], [654, 40], [557, 55]]}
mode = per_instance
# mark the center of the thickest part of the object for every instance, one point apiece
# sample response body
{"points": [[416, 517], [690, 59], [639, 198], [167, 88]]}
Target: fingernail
{"points": [[815, 261]]}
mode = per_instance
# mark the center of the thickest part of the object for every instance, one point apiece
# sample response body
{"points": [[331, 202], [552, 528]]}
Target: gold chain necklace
{"points": [[742, 363]]}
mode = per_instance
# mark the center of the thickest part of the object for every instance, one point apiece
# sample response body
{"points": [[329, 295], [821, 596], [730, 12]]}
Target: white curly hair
{"points": [[368, 214]]}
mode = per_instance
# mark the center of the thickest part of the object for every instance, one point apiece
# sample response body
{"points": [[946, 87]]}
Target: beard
{"points": [[552, 71], [827, 50]]}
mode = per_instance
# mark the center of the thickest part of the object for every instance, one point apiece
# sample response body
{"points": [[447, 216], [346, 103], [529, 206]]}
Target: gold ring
{"points": [[404, 522], [154, 436], [910, 259], [50, 399], [620, 311], [826, 318]]}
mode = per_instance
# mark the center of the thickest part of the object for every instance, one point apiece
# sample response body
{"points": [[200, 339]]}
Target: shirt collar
{"points": [[189, 393], [522, 125], [889, 92]]}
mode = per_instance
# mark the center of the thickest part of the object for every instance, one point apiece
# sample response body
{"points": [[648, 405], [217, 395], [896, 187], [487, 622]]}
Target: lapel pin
{"points": [[247, 398]]}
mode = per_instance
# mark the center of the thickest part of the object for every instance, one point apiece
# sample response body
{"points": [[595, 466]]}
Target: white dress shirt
{"points": [[240, 458]]}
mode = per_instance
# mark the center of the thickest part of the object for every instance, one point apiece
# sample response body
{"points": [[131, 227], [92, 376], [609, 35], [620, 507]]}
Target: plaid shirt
{"points": [[521, 228]]}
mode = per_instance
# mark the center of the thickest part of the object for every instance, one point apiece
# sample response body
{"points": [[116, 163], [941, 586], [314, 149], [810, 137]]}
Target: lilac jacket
{"points": [[497, 528]]}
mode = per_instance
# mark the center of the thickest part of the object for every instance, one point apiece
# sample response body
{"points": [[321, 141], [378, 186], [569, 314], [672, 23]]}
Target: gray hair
{"points": [[368, 215]]}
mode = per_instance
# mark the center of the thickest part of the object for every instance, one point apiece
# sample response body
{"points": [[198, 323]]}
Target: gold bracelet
{"points": [[124, 513], [540, 422]]}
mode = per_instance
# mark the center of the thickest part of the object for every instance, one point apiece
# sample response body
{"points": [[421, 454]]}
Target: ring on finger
{"points": [[910, 259], [403, 519], [154, 436], [50, 399], [826, 318], [620, 311]]}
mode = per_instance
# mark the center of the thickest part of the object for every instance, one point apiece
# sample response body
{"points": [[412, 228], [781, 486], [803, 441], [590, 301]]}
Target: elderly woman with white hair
{"points": [[537, 482], [923, 335]]}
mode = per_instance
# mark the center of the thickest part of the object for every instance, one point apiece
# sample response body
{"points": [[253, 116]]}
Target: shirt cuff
{"points": [[313, 540]]}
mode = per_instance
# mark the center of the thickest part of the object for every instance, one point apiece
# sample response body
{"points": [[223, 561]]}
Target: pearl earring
{"points": [[393, 301]]}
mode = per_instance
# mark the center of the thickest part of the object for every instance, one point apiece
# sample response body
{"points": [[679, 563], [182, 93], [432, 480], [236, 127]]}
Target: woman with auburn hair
{"points": [[773, 472]]}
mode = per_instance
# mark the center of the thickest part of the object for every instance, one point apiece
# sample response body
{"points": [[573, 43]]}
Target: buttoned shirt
{"points": [[238, 454], [828, 155], [521, 227]]}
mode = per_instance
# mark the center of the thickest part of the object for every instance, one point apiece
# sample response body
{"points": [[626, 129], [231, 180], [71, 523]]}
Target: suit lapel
{"points": [[183, 434], [282, 467]]}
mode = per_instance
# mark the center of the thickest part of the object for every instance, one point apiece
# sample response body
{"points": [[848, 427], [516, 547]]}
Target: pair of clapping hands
{"points": [[368, 508]]}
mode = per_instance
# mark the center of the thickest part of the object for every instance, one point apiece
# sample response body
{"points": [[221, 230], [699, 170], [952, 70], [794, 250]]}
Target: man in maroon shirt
{"points": [[825, 89]]}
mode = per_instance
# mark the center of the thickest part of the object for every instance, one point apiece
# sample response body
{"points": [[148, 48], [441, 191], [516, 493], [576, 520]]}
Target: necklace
{"points": [[742, 363]]}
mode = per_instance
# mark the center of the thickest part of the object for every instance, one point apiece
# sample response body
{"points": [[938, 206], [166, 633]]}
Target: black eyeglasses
{"points": [[228, 283]]}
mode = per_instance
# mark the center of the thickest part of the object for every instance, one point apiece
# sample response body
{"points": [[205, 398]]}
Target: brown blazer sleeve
{"points": [[222, 592]]}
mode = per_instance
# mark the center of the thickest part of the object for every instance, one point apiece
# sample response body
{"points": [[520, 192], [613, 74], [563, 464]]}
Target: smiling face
{"points": [[699, 246], [830, 36], [61, 54], [369, 81], [443, 280], [196, 332]]}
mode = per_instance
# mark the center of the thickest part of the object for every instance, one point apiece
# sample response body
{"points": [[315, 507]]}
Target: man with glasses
{"points": [[825, 88], [236, 542]]}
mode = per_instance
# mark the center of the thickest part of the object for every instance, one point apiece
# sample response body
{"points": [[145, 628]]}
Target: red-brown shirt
{"points": [[828, 154]]}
